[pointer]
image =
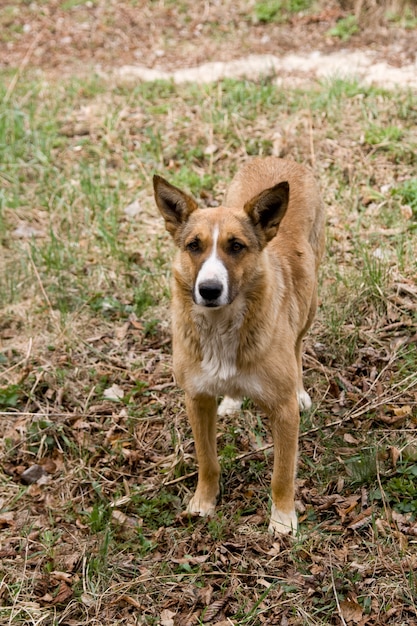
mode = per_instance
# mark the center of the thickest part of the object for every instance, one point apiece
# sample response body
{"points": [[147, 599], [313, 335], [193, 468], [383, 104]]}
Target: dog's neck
{"points": [[219, 338]]}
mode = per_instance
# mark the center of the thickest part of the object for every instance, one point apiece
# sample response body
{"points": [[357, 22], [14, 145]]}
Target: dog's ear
{"points": [[267, 209], [175, 205]]}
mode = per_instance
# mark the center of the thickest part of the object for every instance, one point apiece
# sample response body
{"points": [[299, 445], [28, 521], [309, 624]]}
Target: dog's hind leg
{"points": [[304, 400], [228, 406], [202, 413]]}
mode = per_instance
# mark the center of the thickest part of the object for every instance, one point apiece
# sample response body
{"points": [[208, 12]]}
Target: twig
{"points": [[339, 609], [45, 295], [21, 67], [180, 479]]}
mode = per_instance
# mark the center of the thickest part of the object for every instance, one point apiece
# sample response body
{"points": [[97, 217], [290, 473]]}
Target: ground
{"points": [[97, 459], [69, 37]]}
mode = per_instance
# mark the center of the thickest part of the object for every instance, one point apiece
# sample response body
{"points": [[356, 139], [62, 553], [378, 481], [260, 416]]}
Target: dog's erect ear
{"points": [[267, 209], [174, 204]]}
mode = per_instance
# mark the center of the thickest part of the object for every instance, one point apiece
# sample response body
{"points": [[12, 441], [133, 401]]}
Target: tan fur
{"points": [[252, 345]]}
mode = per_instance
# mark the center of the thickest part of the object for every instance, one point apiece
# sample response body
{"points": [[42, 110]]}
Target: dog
{"points": [[244, 293]]}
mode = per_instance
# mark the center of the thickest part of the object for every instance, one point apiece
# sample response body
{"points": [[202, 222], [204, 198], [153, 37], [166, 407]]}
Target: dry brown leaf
{"points": [[7, 519], [192, 560], [362, 520], [351, 611], [48, 465], [392, 420], [129, 600], [62, 576], [402, 411], [64, 594], [167, 618], [215, 608], [205, 595], [350, 439], [394, 455]]}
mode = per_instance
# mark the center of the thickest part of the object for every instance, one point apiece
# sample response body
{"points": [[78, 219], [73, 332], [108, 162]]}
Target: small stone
{"points": [[32, 474]]}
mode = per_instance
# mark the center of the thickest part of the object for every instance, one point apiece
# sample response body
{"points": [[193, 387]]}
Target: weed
{"points": [[275, 10], [407, 194], [363, 468], [9, 396], [400, 491], [98, 517], [383, 136], [345, 28]]}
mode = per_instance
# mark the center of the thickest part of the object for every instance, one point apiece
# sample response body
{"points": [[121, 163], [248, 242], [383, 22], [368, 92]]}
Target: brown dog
{"points": [[244, 295]]}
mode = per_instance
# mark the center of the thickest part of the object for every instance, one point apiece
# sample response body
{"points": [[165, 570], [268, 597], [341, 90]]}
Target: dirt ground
{"points": [[236, 565], [74, 38]]}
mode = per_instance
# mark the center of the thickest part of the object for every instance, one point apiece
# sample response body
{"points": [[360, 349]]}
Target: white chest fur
{"points": [[218, 373]]}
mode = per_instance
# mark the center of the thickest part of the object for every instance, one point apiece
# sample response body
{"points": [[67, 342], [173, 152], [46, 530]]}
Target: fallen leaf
{"points": [[392, 420], [64, 594], [402, 411], [350, 439], [129, 600], [62, 576], [114, 393], [167, 618], [87, 599], [7, 519], [395, 455], [48, 465], [132, 209], [192, 560], [351, 611], [215, 608]]}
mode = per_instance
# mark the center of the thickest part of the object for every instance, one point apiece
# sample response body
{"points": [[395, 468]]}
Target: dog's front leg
{"points": [[202, 413], [284, 424]]}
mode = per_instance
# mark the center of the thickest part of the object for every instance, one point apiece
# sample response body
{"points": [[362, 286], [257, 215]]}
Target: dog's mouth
{"points": [[208, 304], [212, 305]]}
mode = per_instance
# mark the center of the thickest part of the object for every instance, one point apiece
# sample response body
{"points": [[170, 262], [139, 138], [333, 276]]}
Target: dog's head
{"points": [[219, 246]]}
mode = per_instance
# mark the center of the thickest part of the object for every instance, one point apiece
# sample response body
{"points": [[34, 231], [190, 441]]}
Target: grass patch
{"points": [[345, 28], [278, 10], [86, 390]]}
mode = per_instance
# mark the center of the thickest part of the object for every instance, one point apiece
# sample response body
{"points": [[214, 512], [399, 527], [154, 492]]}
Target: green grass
{"points": [[84, 294], [277, 10], [345, 28]]}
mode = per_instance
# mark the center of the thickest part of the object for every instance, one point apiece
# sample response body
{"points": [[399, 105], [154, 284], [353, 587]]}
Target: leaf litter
{"points": [[99, 535]]}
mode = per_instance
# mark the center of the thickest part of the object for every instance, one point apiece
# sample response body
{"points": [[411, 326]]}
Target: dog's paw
{"points": [[228, 406], [197, 506], [282, 523], [304, 400]]}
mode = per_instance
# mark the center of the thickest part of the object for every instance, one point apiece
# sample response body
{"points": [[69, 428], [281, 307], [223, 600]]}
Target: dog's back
{"points": [[305, 214]]}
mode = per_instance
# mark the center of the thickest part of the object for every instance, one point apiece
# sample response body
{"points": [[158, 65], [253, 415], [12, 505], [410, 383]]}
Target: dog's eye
{"points": [[236, 246], [193, 246]]}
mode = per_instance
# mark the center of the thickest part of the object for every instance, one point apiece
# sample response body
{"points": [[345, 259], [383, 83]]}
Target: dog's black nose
{"points": [[210, 290]]}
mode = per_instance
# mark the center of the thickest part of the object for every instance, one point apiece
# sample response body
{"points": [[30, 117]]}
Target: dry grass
{"points": [[86, 388]]}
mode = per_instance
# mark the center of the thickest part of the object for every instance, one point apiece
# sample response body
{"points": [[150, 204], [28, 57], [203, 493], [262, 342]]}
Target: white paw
{"points": [[228, 406], [196, 506], [282, 523], [304, 400]]}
